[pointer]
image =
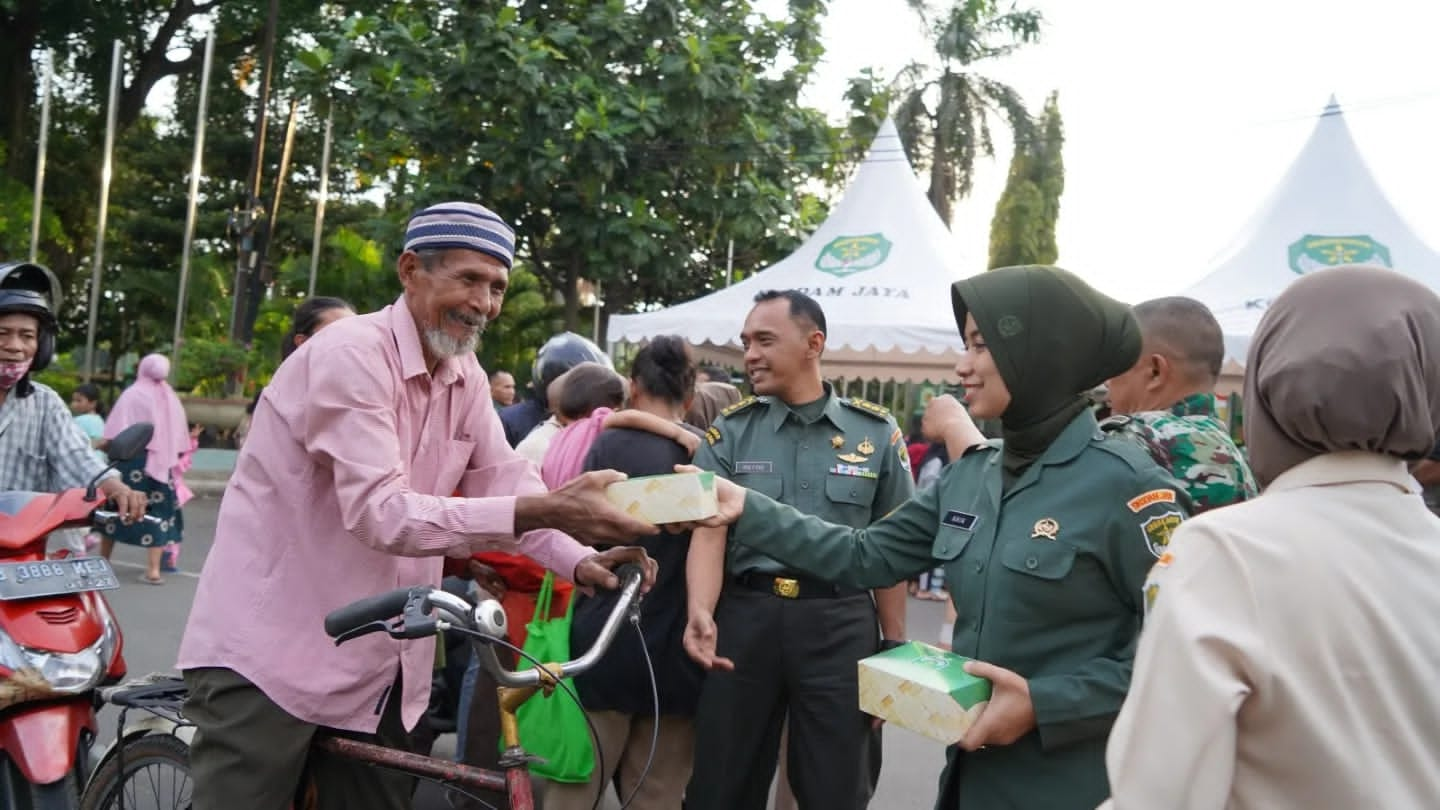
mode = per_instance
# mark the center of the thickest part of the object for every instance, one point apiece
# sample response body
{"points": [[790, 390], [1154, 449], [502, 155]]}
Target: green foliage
{"points": [[526, 321], [207, 365], [1023, 230], [62, 375], [944, 113], [609, 132]]}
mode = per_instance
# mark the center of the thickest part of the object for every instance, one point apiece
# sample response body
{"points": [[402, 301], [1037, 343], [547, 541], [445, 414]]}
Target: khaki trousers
{"points": [[625, 742]]}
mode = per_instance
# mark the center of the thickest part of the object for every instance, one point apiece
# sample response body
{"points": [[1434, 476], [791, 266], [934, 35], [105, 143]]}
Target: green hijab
{"points": [[1053, 338]]}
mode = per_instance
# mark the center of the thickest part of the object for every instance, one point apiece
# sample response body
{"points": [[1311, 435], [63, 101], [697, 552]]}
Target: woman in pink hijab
{"points": [[150, 399]]}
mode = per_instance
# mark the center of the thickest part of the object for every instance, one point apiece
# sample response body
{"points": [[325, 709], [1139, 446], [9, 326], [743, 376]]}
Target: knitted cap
{"points": [[461, 225]]}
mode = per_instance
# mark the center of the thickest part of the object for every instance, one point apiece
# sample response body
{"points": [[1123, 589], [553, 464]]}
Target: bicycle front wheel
{"points": [[157, 777]]}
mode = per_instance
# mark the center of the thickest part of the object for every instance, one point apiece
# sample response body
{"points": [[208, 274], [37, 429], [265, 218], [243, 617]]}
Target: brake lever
{"points": [[415, 622], [363, 630]]}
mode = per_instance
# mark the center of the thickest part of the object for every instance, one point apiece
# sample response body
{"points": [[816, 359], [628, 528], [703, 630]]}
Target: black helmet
{"points": [[32, 289], [560, 354]]}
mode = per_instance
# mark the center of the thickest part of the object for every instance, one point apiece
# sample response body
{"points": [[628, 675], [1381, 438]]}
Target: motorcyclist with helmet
{"points": [[559, 354], [41, 447]]}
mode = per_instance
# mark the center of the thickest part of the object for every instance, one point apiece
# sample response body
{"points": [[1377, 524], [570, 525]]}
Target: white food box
{"points": [[673, 498]]}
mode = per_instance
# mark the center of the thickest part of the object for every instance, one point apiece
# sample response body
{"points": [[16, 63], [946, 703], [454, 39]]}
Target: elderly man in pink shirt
{"points": [[342, 491]]}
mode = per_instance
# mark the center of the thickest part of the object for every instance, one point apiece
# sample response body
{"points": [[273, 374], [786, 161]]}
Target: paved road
{"points": [[153, 618]]}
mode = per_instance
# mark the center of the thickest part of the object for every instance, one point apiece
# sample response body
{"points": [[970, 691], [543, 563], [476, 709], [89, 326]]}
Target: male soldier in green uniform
{"points": [[1165, 402], [781, 643]]}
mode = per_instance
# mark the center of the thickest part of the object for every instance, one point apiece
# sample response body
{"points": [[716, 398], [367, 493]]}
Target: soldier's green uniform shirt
{"points": [[1195, 447], [1047, 580], [811, 457]]}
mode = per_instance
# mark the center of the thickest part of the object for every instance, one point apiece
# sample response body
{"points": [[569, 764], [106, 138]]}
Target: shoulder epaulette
{"points": [[865, 406], [1127, 450], [744, 404]]}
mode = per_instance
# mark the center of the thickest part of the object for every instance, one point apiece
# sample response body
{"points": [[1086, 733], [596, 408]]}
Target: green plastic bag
{"points": [[554, 726]]}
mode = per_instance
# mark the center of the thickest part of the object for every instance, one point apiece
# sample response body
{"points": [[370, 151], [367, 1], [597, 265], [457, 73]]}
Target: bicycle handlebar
{"points": [[356, 615], [417, 605], [102, 515]]}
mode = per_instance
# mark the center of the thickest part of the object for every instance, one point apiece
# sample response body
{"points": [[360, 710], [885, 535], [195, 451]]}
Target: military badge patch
{"points": [[1046, 528], [904, 454], [866, 447], [1154, 496], [1158, 529], [1152, 590]]}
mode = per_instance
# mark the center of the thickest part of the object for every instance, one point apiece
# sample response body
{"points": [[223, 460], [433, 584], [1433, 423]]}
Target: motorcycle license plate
{"points": [[28, 580]]}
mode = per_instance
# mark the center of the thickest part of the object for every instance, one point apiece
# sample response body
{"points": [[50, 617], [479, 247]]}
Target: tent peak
{"points": [[1332, 107], [886, 145]]}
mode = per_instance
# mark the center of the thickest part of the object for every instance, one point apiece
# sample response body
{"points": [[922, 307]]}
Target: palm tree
{"points": [[944, 112]]}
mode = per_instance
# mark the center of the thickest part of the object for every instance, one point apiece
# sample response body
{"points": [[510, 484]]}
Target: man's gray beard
{"points": [[443, 346]]}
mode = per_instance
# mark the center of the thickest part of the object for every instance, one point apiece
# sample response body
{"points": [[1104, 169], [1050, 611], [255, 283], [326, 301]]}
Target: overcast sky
{"points": [[1180, 118]]}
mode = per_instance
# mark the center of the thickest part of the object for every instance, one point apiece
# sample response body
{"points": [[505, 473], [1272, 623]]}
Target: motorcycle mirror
{"points": [[129, 443]]}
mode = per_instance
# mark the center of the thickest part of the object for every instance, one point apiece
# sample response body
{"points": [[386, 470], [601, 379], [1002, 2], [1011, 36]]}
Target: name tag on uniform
{"points": [[754, 467], [956, 519]]}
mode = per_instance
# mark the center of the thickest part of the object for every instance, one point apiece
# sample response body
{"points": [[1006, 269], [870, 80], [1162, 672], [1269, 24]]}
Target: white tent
{"points": [[1327, 210], [881, 267]]}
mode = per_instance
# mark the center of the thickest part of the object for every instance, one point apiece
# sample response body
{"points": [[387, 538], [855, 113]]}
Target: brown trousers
{"points": [[249, 754]]}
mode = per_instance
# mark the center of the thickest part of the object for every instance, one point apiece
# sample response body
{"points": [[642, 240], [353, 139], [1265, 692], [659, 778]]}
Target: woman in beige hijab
{"points": [[1290, 654]]}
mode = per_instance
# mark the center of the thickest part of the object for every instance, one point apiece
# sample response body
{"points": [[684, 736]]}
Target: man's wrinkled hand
{"points": [[1008, 716], [128, 502], [487, 578], [589, 515], [700, 640], [598, 569]]}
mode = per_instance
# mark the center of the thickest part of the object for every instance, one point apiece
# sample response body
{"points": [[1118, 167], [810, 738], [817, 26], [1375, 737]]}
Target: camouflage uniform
{"points": [[1190, 442]]}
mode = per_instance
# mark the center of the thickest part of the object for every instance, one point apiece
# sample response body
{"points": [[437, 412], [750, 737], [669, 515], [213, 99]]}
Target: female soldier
{"points": [[1045, 537]]}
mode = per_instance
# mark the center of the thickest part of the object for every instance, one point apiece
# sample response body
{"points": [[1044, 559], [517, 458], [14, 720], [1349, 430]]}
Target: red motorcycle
{"points": [[59, 640]]}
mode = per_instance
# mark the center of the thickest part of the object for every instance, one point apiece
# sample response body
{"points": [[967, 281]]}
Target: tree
{"points": [[1023, 230], [943, 112], [610, 133]]}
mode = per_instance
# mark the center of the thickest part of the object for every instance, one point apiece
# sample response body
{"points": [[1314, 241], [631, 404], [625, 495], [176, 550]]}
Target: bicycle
{"points": [[148, 766]]}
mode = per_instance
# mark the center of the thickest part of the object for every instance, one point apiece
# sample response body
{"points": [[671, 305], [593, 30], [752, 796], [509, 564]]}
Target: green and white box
{"points": [[924, 689], [672, 498]]}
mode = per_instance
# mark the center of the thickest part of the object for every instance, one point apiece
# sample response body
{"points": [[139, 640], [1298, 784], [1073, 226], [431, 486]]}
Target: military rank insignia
{"points": [[1045, 529], [1158, 529], [712, 435]]}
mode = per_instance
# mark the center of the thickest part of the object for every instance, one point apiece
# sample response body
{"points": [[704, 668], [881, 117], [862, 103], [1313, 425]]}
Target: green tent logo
{"points": [[1312, 252], [848, 255]]}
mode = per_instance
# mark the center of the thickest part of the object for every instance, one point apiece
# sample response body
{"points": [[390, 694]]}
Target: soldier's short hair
{"points": [[1184, 330], [802, 306]]}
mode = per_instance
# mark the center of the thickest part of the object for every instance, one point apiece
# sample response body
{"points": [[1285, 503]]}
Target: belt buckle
{"points": [[786, 588]]}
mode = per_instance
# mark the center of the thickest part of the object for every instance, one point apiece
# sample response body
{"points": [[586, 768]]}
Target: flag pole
{"points": [[38, 207], [105, 171], [190, 209], [320, 203]]}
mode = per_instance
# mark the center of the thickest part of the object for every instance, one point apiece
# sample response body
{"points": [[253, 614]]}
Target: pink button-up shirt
{"points": [[340, 493]]}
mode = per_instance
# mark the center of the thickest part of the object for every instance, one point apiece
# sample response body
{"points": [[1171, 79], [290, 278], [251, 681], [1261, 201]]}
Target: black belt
{"points": [[793, 587]]}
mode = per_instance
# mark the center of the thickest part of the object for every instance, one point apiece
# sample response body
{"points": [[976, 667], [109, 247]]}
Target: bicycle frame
{"points": [[514, 781]]}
